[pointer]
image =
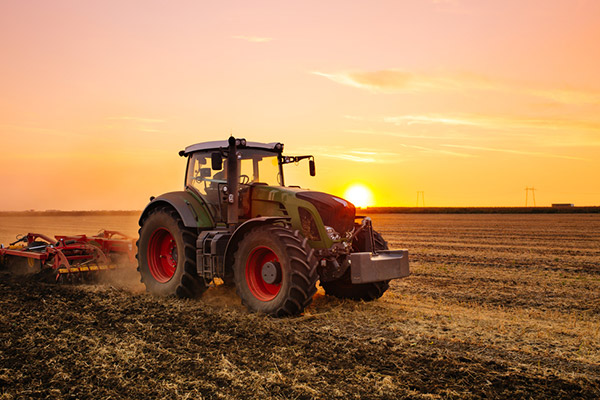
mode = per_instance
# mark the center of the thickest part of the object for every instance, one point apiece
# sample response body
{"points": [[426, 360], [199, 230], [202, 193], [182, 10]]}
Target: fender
{"points": [[192, 212], [241, 231]]}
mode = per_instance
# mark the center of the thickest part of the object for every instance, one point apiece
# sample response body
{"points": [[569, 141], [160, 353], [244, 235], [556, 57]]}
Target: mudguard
{"points": [[193, 212]]}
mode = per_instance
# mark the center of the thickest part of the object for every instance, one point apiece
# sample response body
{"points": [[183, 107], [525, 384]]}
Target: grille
{"points": [[334, 211]]}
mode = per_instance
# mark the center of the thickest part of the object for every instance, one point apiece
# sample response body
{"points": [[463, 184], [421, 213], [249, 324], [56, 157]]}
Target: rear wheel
{"points": [[343, 288], [275, 271], [167, 255]]}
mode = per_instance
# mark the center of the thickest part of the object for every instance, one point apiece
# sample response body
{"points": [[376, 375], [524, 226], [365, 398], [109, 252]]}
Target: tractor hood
{"points": [[334, 211]]}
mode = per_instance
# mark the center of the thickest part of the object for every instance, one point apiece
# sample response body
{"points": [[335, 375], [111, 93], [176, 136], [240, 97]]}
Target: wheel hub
{"points": [[271, 272], [162, 255], [263, 273]]}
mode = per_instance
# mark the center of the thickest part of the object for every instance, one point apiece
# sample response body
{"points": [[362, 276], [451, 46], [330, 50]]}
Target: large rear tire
{"points": [[275, 270], [343, 288], [167, 255]]}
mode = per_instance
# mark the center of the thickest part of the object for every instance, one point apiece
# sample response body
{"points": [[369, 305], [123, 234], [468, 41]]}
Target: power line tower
{"points": [[421, 195], [527, 190]]}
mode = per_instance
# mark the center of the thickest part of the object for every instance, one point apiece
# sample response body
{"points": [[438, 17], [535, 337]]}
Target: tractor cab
{"points": [[258, 164]]}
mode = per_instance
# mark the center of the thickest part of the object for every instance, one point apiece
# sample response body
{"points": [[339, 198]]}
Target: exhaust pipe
{"points": [[232, 184]]}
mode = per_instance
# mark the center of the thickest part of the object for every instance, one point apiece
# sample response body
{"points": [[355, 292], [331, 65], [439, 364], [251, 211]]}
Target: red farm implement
{"points": [[69, 257]]}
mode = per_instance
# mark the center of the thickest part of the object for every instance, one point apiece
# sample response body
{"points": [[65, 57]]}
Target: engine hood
{"points": [[334, 211]]}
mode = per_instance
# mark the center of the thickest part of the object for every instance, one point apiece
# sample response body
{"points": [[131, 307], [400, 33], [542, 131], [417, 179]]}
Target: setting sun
{"points": [[359, 195]]}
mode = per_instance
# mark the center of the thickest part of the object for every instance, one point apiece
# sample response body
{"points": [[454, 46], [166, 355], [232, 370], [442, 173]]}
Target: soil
{"points": [[496, 307]]}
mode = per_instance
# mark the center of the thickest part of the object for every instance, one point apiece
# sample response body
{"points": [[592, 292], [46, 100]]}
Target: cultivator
{"points": [[69, 258]]}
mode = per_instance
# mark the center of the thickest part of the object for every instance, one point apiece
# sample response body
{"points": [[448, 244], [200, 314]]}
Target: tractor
{"points": [[238, 223]]}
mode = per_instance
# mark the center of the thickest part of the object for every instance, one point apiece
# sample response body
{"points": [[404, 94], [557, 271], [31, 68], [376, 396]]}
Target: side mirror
{"points": [[216, 161], [311, 167]]}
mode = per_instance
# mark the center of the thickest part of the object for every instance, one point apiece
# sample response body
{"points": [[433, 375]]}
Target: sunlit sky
{"points": [[468, 101]]}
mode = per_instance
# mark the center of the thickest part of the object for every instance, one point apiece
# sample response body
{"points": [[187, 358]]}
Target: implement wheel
{"points": [[275, 271], [343, 288], [167, 255]]}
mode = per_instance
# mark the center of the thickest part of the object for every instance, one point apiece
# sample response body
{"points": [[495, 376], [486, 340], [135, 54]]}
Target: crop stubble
{"points": [[497, 306]]}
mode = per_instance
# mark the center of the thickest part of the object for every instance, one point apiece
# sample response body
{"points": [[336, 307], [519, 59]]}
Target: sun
{"points": [[359, 195]]}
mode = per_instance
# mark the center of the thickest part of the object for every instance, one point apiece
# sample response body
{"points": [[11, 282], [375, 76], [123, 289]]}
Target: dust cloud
{"points": [[125, 277], [220, 294]]}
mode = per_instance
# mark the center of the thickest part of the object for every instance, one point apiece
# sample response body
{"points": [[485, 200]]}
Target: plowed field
{"points": [[497, 306]]}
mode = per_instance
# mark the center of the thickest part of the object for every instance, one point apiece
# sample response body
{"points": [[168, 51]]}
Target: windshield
{"points": [[259, 166], [256, 167]]}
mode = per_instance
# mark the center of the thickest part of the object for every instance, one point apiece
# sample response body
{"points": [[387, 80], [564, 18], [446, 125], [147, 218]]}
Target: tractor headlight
{"points": [[333, 235]]}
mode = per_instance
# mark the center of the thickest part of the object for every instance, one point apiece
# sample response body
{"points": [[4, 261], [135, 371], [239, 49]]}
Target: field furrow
{"points": [[497, 306]]}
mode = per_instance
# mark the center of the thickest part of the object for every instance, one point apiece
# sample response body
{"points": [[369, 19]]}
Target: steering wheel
{"points": [[244, 179]]}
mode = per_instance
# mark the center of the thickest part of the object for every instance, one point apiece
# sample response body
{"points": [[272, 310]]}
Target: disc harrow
{"points": [[69, 258]]}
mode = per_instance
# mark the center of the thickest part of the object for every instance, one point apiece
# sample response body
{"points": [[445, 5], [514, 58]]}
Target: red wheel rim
{"points": [[162, 255], [260, 289]]}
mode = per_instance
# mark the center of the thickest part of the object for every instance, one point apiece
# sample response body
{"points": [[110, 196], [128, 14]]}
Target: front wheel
{"points": [[275, 271], [166, 255]]}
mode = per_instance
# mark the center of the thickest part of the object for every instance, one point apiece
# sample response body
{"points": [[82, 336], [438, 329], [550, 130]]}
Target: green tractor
{"points": [[237, 221]]}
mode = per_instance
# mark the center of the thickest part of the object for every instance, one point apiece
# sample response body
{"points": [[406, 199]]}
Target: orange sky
{"points": [[468, 101]]}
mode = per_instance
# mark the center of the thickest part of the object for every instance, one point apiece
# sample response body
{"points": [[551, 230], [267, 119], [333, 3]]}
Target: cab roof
{"points": [[217, 144]]}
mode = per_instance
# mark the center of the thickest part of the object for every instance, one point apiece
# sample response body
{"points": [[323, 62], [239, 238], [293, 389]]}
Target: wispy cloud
{"points": [[133, 123], [377, 81], [557, 135], [360, 155], [512, 151], [438, 151], [386, 157], [573, 141], [137, 119], [349, 157], [254, 39], [405, 135], [429, 119], [496, 122], [400, 81], [397, 80]]}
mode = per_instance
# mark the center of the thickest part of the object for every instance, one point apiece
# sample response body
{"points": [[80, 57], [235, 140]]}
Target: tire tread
{"points": [[303, 265], [190, 284]]}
